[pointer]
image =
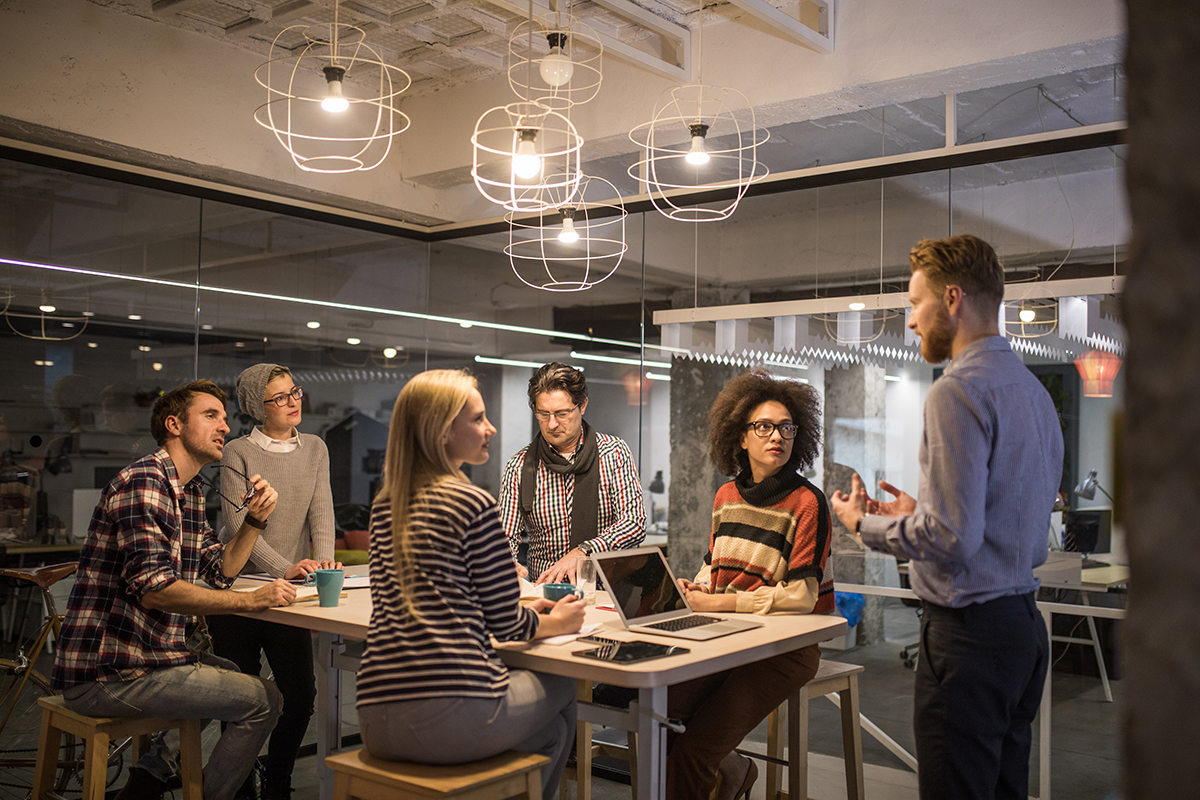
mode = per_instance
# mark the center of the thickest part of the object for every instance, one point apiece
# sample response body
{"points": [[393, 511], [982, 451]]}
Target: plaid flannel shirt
{"points": [[147, 532], [622, 514]]}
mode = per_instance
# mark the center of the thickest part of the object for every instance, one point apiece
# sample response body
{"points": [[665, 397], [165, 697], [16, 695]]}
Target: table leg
{"points": [[1091, 621], [1044, 726], [329, 708], [651, 743]]}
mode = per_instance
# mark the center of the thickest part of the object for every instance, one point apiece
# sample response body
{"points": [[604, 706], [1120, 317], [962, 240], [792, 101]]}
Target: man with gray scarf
{"points": [[573, 490]]}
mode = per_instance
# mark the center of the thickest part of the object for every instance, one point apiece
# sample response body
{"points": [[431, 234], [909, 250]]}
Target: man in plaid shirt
{"points": [[574, 491], [123, 649]]}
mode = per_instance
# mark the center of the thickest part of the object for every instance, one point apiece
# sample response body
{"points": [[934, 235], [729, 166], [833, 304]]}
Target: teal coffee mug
{"points": [[329, 586], [557, 591]]}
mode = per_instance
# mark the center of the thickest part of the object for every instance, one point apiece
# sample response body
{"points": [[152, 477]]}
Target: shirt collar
{"points": [[978, 346], [269, 444]]}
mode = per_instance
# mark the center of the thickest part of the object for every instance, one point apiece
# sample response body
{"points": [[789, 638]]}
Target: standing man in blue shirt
{"points": [[991, 461]]}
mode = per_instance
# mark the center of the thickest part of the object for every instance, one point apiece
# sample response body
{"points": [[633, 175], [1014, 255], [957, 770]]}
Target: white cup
{"points": [[585, 578]]}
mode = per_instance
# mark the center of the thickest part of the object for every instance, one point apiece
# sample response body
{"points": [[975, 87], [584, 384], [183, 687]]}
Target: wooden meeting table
{"points": [[647, 716]]}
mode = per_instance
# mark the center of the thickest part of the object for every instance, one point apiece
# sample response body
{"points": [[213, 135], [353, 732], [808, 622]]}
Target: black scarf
{"points": [[771, 490], [585, 505]]}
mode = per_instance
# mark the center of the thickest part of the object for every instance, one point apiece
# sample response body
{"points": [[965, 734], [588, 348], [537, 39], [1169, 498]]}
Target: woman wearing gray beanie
{"points": [[298, 541]]}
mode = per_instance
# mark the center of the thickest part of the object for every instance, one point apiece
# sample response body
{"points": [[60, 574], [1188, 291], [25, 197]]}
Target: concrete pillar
{"points": [[855, 441], [694, 480], [1162, 429]]}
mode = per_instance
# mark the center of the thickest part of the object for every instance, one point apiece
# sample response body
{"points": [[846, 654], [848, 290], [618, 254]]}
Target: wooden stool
{"points": [[357, 775], [97, 733], [831, 676]]}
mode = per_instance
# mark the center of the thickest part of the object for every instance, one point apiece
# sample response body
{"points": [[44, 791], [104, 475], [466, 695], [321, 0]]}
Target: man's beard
{"points": [[937, 340], [203, 450]]}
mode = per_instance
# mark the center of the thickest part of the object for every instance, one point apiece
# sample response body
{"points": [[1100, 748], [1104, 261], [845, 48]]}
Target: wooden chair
{"points": [[586, 749], [97, 733], [832, 676], [358, 775]]}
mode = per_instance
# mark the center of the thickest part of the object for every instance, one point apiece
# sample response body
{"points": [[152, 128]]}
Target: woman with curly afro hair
{"points": [[767, 553]]}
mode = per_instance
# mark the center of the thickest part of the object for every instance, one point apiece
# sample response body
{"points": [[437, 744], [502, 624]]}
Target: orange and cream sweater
{"points": [[770, 544]]}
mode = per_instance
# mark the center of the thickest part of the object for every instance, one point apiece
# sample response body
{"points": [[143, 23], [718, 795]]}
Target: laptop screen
{"points": [[640, 583]]}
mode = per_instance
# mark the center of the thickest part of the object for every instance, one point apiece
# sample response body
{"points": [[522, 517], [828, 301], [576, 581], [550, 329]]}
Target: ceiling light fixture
{"points": [[322, 129], [635, 362], [515, 145], [353, 341], [857, 306], [569, 75], [313, 324], [699, 126], [573, 247]]}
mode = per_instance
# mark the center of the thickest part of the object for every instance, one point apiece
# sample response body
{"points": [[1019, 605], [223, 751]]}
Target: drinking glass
{"points": [[585, 578]]}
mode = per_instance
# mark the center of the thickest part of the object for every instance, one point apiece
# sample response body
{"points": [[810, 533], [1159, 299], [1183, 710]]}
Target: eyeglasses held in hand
{"points": [[238, 505], [282, 400], [763, 429], [560, 416]]}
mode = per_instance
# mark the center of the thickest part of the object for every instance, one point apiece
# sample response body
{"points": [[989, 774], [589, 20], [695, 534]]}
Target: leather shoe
{"points": [[738, 775], [141, 786]]}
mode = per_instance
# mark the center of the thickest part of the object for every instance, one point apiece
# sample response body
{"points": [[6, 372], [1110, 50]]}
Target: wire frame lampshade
{"points": [[701, 138], [573, 246], [1098, 369], [526, 157], [1031, 319], [324, 128], [555, 60]]}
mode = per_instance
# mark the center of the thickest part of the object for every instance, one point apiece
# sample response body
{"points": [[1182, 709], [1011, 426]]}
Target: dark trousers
{"points": [[290, 657], [978, 686], [719, 710]]}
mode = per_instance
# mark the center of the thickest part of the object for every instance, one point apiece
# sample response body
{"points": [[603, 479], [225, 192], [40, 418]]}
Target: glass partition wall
{"points": [[113, 292]]}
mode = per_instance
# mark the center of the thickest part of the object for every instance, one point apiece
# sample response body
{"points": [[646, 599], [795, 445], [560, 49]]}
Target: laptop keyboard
{"points": [[683, 623]]}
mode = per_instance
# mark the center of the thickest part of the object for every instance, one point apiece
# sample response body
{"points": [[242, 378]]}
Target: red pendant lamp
{"points": [[1098, 369]]}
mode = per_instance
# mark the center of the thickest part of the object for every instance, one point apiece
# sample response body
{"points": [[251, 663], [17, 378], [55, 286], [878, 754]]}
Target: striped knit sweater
{"points": [[769, 535], [467, 589], [302, 524]]}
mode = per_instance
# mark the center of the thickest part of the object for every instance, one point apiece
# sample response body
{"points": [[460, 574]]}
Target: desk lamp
{"points": [[656, 487], [1087, 489]]}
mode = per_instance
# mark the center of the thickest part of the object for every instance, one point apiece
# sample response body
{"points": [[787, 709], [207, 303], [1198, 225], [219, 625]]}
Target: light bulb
{"points": [[857, 306], [526, 162], [313, 324], [1027, 315], [557, 68], [568, 234], [389, 352], [46, 308], [335, 102], [697, 155]]}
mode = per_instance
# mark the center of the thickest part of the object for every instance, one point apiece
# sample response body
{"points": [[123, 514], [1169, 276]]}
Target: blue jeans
{"points": [[208, 690]]}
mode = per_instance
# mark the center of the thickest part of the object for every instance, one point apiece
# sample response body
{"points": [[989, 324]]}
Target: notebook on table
{"points": [[647, 597]]}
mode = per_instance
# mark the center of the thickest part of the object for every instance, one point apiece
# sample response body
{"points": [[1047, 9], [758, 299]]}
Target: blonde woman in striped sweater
{"points": [[432, 688], [767, 555]]}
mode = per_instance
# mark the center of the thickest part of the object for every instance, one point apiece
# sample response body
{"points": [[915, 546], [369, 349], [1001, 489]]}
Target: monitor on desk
{"points": [[1087, 531]]}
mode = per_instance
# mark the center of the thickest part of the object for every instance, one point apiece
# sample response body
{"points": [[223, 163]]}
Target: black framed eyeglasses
{"points": [[763, 429], [561, 416], [282, 400], [239, 505]]}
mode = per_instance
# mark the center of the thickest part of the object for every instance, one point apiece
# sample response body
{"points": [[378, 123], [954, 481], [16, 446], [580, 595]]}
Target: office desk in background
{"points": [[350, 620]]}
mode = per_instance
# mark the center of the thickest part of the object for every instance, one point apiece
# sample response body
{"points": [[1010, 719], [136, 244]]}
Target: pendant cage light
{"points": [[857, 326], [314, 115], [1031, 319], [55, 325], [555, 60], [572, 246], [526, 157], [702, 138]]}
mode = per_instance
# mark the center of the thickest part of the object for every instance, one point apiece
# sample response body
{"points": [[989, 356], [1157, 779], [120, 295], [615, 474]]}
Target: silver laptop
{"points": [[647, 596]]}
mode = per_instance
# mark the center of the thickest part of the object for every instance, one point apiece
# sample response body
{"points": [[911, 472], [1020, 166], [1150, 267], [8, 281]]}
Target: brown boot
{"points": [[141, 786]]}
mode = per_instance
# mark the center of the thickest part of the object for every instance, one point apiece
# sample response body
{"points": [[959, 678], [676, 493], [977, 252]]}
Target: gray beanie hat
{"points": [[252, 386]]}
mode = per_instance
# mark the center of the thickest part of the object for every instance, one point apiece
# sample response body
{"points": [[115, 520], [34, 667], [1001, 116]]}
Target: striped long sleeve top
{"points": [[770, 544], [466, 590]]}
